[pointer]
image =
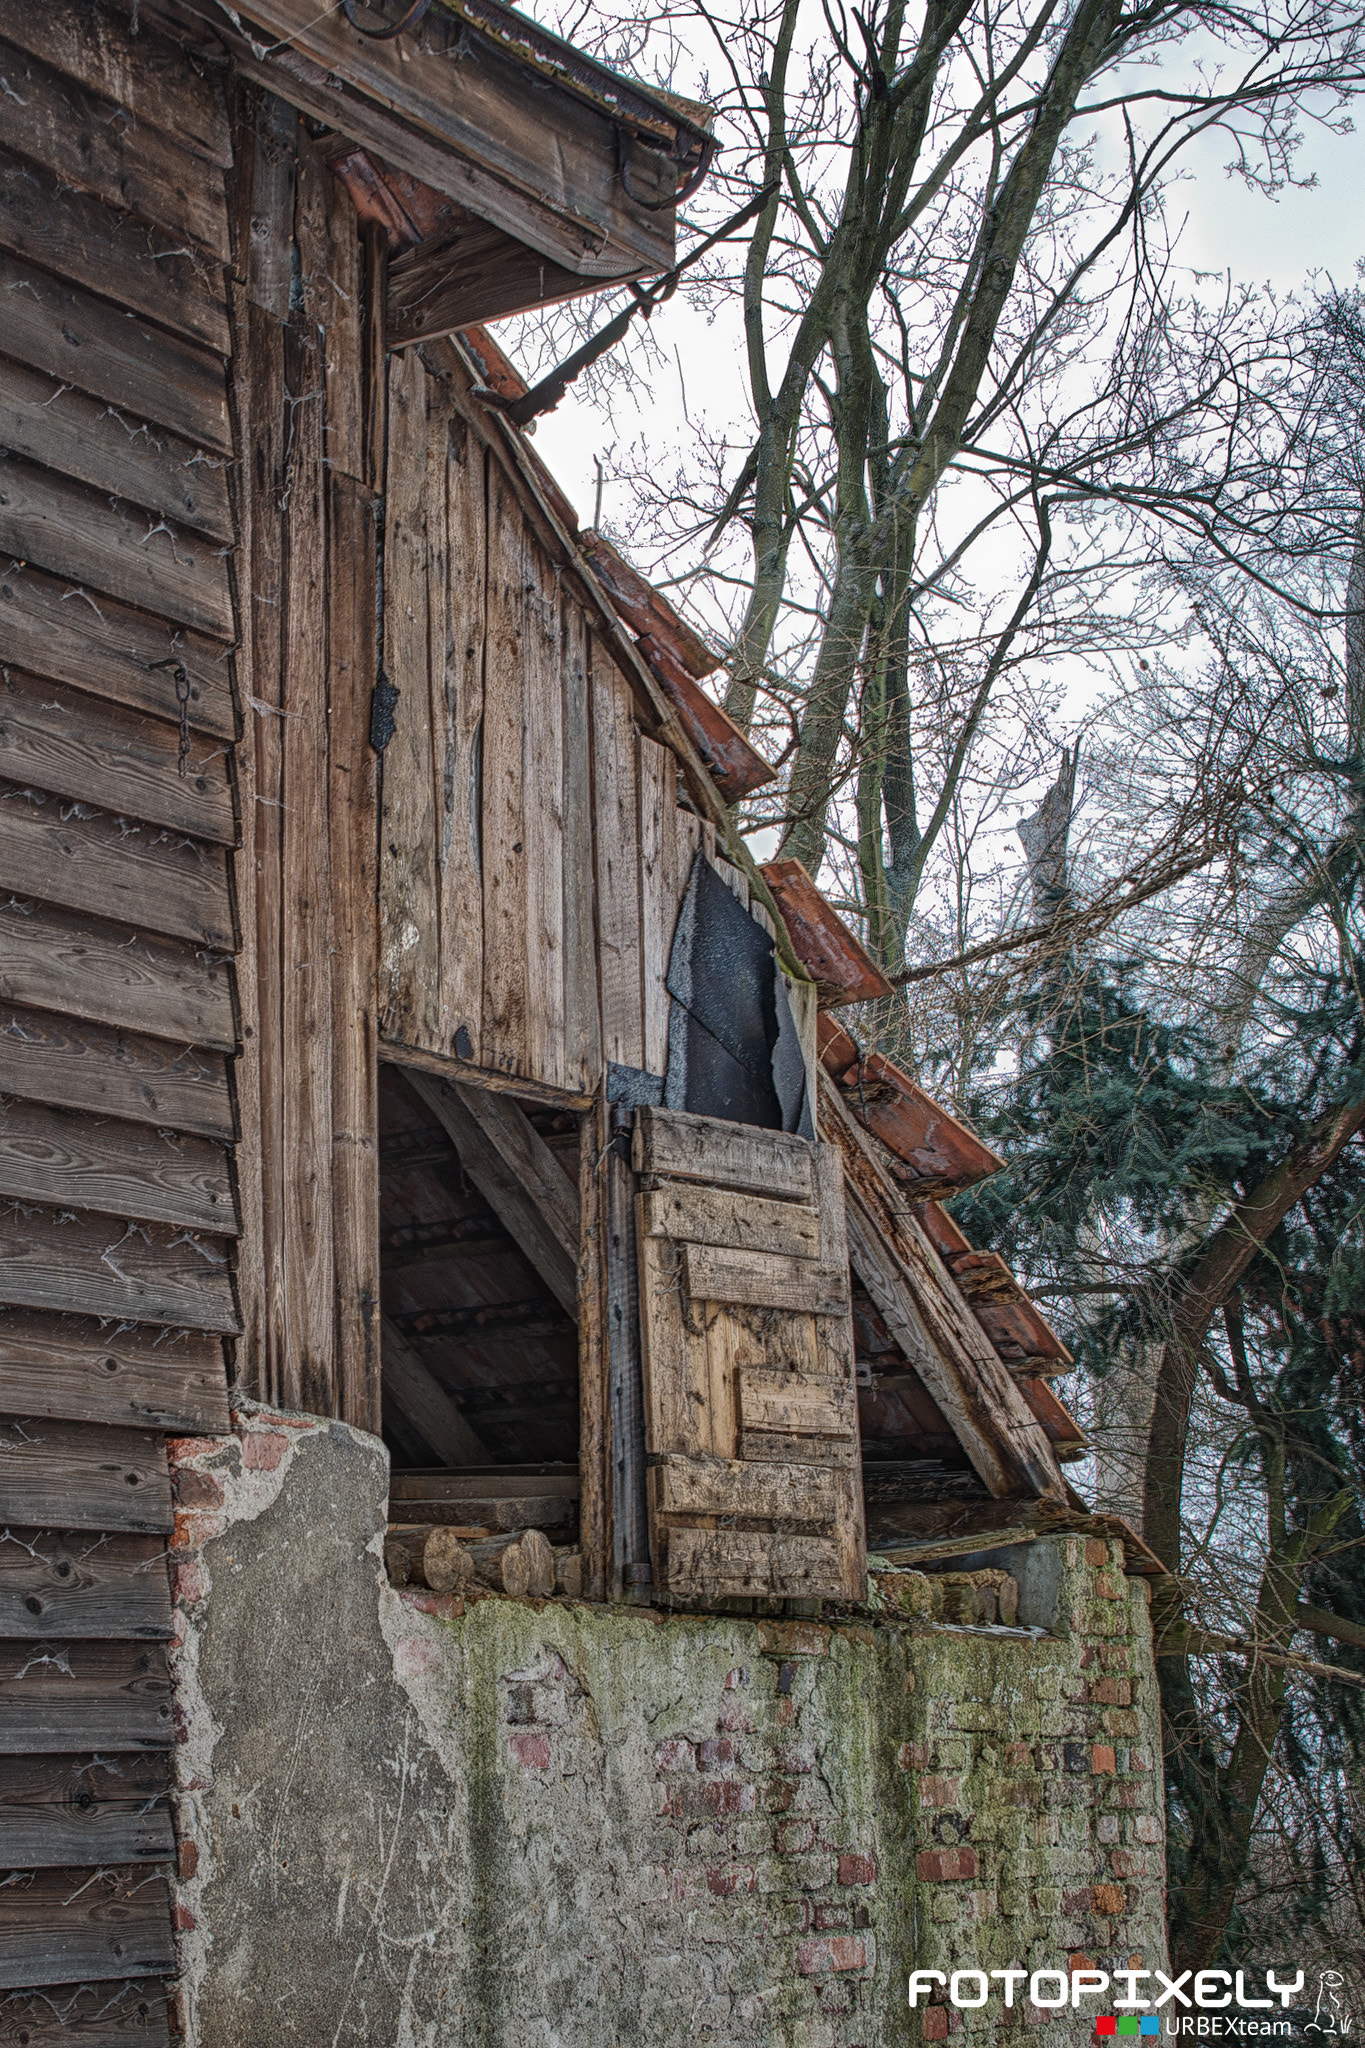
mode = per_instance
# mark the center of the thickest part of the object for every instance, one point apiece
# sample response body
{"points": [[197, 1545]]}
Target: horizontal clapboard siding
{"points": [[93, 1265], [123, 655], [69, 1927], [61, 1695], [132, 2015], [74, 1475], [48, 1058], [65, 1810], [76, 1583], [112, 974], [123, 1169], [70, 1368]]}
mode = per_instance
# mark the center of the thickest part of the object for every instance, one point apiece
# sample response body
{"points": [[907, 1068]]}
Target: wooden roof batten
{"points": [[492, 201]]}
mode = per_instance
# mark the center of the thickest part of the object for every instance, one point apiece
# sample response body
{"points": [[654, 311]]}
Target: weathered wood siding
{"points": [[534, 852]]}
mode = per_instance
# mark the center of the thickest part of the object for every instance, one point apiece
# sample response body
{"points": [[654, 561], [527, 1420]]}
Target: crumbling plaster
{"points": [[411, 1822]]}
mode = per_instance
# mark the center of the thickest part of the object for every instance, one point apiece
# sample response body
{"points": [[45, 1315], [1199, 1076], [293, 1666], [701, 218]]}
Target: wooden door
{"points": [[751, 1419]]}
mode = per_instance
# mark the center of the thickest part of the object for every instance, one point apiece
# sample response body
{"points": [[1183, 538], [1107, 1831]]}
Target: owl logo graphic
{"points": [[1331, 2015]]}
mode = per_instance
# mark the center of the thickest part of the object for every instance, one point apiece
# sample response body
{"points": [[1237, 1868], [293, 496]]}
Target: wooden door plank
{"points": [[144, 72], [77, 1475], [517, 1175], [90, 1265], [107, 865], [694, 1214], [77, 746], [616, 826], [353, 829], [51, 630], [118, 255], [118, 549], [415, 1390], [674, 1358], [131, 2015], [582, 1025], [67, 1369], [68, 1159], [708, 1564], [759, 1280], [730, 1486], [59, 427], [90, 345], [109, 974], [720, 1154], [506, 801], [47, 1058], [410, 942], [792, 1405], [60, 1927], [96, 1584], [914, 1292], [339, 302], [458, 602]]}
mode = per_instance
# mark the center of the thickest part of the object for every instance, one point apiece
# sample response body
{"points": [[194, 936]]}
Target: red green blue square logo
{"points": [[1108, 2024]]}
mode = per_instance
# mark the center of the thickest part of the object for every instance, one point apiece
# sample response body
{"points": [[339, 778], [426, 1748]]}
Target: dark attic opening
{"points": [[478, 1263]]}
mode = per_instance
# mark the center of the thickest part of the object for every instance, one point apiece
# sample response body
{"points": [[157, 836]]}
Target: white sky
{"points": [[1280, 242]]}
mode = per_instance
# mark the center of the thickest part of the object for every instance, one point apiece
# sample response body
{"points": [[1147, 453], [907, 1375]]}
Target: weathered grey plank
{"points": [[53, 629], [100, 862], [61, 428], [95, 1265], [725, 1216], [82, 747], [48, 1058], [71, 1160], [62, 1810], [76, 1475], [63, 1927], [118, 255], [144, 72], [57, 122], [68, 1368], [131, 2015], [720, 1154], [96, 1583], [115, 547], [110, 974]]}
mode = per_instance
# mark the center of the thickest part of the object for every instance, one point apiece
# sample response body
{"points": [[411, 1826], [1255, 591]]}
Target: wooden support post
{"points": [[630, 1571]]}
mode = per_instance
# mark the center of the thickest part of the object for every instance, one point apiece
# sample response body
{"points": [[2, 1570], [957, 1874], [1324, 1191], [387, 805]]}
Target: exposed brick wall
{"points": [[415, 1819]]}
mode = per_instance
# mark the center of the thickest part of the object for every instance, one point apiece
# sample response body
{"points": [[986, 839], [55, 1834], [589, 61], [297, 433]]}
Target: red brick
{"points": [[827, 1917], [1102, 1759], [1018, 1756], [1109, 1900], [1075, 1903], [1147, 1828], [938, 1791], [677, 1754], [1096, 1551], [856, 1868], [1124, 1863], [725, 1883], [182, 1919], [720, 1795], [933, 2024], [824, 1953], [186, 1860], [198, 1489], [263, 1449], [531, 1750], [913, 1756], [1109, 1585], [715, 1751], [1110, 1692], [793, 1638], [939, 1866]]}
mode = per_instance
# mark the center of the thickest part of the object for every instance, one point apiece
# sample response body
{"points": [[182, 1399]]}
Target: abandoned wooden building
{"points": [[404, 1064]]}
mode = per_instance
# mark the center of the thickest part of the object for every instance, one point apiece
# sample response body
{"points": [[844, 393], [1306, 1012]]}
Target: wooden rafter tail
{"points": [[1063, 1431], [646, 610], [840, 966], [932, 1154], [1017, 1328]]}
